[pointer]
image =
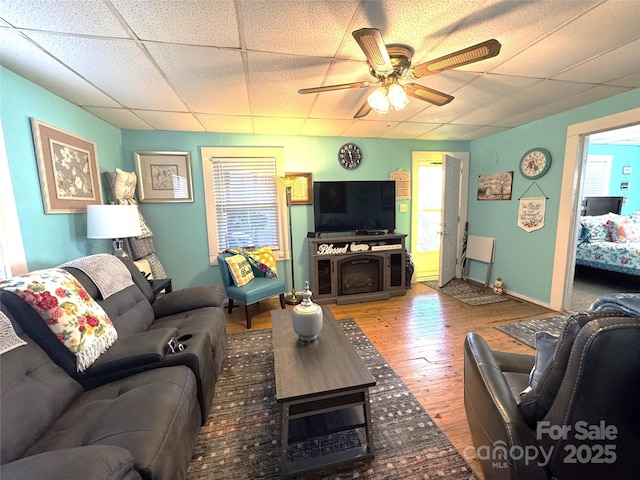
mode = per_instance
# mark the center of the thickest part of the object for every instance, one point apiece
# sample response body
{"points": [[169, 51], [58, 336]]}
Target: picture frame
{"points": [[68, 169], [301, 187], [164, 177], [495, 186]]}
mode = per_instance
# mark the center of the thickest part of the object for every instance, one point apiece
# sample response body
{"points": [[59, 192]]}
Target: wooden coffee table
{"points": [[322, 388]]}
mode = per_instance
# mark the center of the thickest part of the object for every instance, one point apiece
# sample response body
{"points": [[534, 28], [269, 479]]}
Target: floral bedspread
{"points": [[614, 256]]}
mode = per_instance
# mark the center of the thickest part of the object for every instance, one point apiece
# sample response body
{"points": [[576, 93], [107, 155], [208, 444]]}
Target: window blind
{"points": [[246, 202]]}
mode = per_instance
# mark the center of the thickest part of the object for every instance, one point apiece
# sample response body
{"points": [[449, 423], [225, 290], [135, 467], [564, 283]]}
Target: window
{"points": [[243, 198], [597, 176]]}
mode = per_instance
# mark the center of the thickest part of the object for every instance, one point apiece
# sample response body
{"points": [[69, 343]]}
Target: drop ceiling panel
{"points": [[272, 77], [613, 24], [297, 28], [322, 128], [124, 72], [277, 126], [226, 123], [406, 130], [542, 93], [85, 18], [369, 128], [164, 120], [480, 133], [48, 72], [214, 83], [446, 132], [120, 117], [196, 22], [618, 63]]}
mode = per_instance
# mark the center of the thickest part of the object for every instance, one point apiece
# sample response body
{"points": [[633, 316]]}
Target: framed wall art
{"points": [[68, 169], [495, 186], [164, 177], [301, 187]]}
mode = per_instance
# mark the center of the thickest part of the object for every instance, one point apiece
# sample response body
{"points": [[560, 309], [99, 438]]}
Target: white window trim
{"points": [[207, 153]]}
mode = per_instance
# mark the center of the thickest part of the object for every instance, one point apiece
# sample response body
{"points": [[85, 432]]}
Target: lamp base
{"points": [[293, 298]]}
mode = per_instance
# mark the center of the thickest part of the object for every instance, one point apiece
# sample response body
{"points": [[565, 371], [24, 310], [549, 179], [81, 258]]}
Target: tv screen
{"points": [[361, 206]]}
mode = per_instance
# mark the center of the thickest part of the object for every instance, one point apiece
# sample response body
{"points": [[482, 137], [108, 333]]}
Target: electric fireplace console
{"points": [[357, 268]]}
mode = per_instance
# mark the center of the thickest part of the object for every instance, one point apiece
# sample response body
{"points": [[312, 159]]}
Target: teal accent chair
{"points": [[260, 288]]}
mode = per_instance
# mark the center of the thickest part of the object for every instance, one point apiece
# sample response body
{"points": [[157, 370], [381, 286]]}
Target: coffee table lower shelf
{"points": [[321, 416]]}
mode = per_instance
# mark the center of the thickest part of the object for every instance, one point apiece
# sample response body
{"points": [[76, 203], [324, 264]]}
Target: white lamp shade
{"points": [[113, 221]]}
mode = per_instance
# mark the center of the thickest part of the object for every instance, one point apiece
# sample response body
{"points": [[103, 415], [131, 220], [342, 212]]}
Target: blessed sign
{"points": [[331, 249]]}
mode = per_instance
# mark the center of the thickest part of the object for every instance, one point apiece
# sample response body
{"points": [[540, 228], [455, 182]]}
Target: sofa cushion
{"points": [[240, 269], [33, 393], [65, 306], [154, 415], [624, 230]]}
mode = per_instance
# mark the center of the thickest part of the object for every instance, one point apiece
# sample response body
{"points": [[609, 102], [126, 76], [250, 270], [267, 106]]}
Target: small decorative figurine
{"points": [[307, 317], [498, 287]]}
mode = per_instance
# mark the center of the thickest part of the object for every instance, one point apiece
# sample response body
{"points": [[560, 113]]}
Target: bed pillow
{"points": [[595, 228], [240, 270], [624, 230], [124, 185]]}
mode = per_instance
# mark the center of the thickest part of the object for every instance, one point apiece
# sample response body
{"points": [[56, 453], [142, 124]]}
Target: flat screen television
{"points": [[366, 207]]}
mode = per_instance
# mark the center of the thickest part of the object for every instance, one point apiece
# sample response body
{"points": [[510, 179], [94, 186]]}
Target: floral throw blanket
{"points": [[75, 318], [260, 257]]}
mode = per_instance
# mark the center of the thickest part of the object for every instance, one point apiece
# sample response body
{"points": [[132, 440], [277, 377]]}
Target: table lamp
{"points": [[113, 221]]}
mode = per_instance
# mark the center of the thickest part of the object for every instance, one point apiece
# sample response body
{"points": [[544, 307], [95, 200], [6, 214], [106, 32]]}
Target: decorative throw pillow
{"points": [[596, 228], [141, 247], [240, 269], [624, 230], [124, 185], [75, 318]]}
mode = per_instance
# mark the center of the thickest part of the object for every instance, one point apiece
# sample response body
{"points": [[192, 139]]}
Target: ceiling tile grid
{"points": [[237, 66]]}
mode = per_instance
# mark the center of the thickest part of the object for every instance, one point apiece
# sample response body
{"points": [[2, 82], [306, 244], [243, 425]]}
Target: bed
{"points": [[608, 240]]}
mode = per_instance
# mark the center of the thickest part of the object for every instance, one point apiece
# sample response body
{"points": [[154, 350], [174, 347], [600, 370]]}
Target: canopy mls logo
{"points": [[502, 456]]}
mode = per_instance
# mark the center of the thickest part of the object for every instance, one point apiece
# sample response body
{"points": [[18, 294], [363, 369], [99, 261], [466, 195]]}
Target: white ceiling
{"points": [[236, 66]]}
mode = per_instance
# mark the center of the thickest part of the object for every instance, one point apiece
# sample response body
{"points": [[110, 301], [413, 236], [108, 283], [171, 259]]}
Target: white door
{"points": [[449, 219]]}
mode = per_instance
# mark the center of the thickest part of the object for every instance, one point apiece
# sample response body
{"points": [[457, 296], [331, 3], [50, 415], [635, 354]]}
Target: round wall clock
{"points": [[350, 156], [535, 163]]}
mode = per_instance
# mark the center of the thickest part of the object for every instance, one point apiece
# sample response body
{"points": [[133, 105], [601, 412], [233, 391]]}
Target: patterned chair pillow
{"points": [[624, 230], [240, 269], [124, 185], [595, 228]]}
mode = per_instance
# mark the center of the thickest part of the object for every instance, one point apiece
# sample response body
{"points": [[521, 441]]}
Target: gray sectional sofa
{"points": [[136, 411]]}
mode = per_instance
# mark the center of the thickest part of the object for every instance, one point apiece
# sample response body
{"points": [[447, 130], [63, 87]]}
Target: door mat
{"points": [[525, 330], [468, 292], [241, 438]]}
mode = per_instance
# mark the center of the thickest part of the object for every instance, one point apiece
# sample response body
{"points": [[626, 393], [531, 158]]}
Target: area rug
{"points": [[468, 292], [525, 330], [241, 438]]}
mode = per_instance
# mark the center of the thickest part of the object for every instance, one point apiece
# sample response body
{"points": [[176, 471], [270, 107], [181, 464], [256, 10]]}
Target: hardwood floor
{"points": [[421, 335]]}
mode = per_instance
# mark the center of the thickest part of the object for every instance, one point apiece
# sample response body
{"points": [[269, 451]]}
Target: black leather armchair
{"points": [[580, 421]]}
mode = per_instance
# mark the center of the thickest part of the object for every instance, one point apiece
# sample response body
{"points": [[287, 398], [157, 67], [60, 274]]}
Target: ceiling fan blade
{"points": [[371, 43], [363, 111], [481, 51], [427, 94], [328, 88]]}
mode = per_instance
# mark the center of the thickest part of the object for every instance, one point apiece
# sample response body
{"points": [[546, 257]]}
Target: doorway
{"points": [[566, 237], [429, 200]]}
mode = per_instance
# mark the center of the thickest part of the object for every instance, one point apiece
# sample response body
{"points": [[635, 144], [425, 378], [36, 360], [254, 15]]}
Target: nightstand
{"points": [[160, 284]]}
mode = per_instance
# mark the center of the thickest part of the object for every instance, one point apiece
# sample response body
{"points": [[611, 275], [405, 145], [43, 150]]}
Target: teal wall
{"points": [[48, 239], [623, 155], [525, 260], [180, 232]]}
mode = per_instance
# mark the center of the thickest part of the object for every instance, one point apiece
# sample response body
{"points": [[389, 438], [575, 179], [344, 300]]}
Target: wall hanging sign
{"points": [[495, 186], [68, 169], [164, 177], [403, 184], [531, 210], [301, 184]]}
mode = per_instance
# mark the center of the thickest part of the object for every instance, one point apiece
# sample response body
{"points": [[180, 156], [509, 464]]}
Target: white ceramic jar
{"points": [[307, 317]]}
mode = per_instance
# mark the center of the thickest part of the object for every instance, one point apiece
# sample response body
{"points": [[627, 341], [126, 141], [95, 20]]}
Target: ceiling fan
{"points": [[391, 66]]}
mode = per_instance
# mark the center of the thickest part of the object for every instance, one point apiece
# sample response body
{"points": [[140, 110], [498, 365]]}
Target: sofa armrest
{"points": [[187, 299], [97, 462], [132, 352]]}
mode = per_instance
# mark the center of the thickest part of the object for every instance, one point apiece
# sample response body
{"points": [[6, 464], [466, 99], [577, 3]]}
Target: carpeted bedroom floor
{"points": [[591, 283]]}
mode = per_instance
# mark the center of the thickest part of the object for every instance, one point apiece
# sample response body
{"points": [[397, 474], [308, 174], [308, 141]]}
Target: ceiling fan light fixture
{"points": [[397, 97], [379, 101]]}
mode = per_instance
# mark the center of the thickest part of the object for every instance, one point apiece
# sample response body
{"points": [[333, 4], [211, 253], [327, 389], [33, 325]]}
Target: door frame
{"points": [[565, 252], [425, 156]]}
